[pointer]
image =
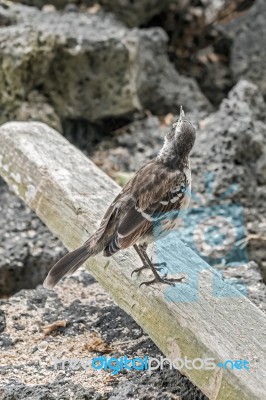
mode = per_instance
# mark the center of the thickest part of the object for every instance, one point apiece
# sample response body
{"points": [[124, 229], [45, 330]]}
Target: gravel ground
{"points": [[94, 326]]}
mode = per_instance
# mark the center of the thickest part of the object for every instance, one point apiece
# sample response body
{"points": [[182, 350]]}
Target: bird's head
{"points": [[180, 139], [182, 135]]}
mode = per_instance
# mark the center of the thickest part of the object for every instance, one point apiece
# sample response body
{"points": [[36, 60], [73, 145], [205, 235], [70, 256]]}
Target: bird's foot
{"points": [[159, 279], [157, 266]]}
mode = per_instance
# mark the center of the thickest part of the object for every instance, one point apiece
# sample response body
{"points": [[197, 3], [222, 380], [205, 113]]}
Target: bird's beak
{"points": [[181, 115], [178, 123]]}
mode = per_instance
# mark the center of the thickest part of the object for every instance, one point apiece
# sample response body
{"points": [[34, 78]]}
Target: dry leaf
{"points": [[167, 119], [97, 344], [213, 57], [47, 329], [94, 9], [202, 124], [109, 379]]}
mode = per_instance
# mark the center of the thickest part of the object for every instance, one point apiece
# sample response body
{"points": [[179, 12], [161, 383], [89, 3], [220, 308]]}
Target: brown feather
{"points": [[69, 262]]}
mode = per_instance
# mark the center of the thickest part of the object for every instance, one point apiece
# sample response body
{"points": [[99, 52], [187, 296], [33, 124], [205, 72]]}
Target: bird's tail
{"points": [[68, 265]]}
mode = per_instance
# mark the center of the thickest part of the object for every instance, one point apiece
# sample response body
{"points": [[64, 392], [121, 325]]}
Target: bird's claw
{"points": [[156, 266], [137, 270], [168, 281]]}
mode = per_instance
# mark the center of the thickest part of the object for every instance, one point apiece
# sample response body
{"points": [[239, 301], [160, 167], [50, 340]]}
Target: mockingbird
{"points": [[160, 187]]}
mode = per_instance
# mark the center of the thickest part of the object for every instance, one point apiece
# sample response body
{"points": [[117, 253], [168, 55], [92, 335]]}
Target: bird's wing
{"points": [[123, 201], [111, 214], [154, 191]]}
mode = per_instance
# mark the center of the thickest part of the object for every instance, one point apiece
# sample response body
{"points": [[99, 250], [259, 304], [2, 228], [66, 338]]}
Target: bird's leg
{"points": [[152, 265], [141, 256], [141, 250]]}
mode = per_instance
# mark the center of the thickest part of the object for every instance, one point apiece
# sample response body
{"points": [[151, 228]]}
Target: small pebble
{"points": [[42, 346], [19, 327]]}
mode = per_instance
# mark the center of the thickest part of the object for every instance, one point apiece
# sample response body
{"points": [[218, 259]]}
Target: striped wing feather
{"points": [[153, 192]]}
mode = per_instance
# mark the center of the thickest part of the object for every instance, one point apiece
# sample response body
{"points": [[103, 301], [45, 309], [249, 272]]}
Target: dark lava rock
{"points": [[248, 57], [228, 164], [2, 321], [5, 341], [163, 385], [136, 12], [7, 15], [27, 250], [131, 12], [63, 390], [130, 147], [248, 275], [19, 327], [231, 144], [161, 90]]}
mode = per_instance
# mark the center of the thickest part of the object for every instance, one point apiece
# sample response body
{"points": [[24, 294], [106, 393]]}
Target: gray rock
{"points": [[2, 320], [215, 78], [261, 168], [248, 57], [212, 7], [231, 145], [231, 142], [165, 385], [137, 12], [6, 342], [27, 249], [81, 64], [61, 389], [89, 67], [36, 108], [131, 146], [250, 276], [132, 13], [41, 3], [7, 15], [160, 88]]}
